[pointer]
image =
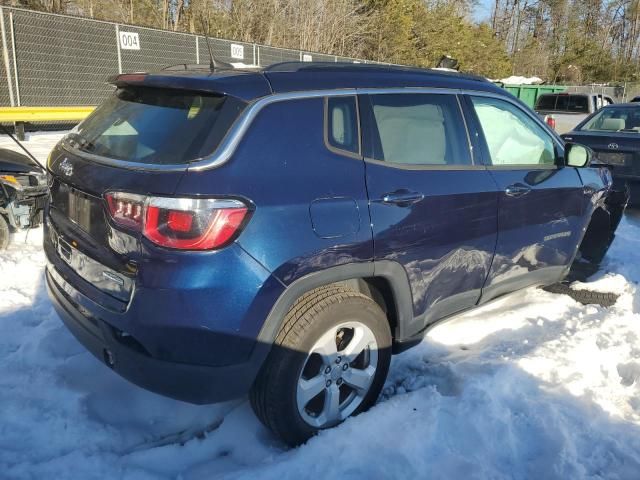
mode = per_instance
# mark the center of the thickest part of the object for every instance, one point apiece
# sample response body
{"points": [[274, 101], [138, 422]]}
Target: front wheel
{"points": [[329, 361]]}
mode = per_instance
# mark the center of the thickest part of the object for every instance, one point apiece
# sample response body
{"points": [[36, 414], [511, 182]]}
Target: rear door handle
{"points": [[517, 190], [402, 198]]}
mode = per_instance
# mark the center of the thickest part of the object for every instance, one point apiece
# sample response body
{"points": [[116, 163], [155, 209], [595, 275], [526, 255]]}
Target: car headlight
{"points": [[41, 178], [11, 181]]}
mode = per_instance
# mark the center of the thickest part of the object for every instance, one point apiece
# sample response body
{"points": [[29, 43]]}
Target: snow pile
{"points": [[518, 80], [531, 386]]}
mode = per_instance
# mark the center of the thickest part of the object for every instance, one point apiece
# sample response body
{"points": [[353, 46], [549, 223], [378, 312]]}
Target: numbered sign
{"points": [[307, 58], [237, 51], [129, 41]]}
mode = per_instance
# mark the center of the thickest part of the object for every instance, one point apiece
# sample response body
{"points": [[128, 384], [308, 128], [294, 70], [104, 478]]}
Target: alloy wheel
{"points": [[337, 374]]}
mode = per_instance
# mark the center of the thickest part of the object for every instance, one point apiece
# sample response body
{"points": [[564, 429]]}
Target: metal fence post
{"points": [[254, 54], [197, 49], [5, 56], [15, 61], [118, 47], [258, 61]]}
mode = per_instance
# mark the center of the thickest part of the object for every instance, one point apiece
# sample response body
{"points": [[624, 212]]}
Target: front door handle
{"points": [[402, 198], [517, 190]]}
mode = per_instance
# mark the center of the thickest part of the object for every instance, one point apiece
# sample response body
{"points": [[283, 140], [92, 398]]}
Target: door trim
{"points": [[541, 277]]}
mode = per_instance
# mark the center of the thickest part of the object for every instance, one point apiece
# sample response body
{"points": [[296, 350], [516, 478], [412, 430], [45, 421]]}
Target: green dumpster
{"points": [[530, 93]]}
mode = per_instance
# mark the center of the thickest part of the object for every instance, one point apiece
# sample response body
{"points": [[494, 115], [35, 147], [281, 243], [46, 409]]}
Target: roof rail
{"points": [[369, 67], [199, 66]]}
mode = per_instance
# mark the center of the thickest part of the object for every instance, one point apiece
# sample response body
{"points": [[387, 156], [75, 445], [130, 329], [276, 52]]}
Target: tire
{"points": [[302, 362], [598, 237], [5, 234], [586, 297]]}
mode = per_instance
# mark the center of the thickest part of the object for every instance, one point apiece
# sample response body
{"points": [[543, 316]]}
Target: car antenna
{"points": [[212, 62]]}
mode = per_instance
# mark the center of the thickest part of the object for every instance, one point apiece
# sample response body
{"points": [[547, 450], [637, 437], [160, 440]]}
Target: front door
{"points": [[433, 208], [541, 201]]}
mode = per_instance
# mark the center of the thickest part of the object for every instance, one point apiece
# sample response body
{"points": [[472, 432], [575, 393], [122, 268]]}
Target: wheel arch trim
{"points": [[391, 271]]}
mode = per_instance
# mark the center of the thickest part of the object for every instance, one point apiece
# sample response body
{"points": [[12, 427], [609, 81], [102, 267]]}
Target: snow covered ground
{"points": [[535, 386]]}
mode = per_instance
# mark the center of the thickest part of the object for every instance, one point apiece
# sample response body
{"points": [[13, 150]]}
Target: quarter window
{"points": [[512, 136], [419, 129], [342, 124]]}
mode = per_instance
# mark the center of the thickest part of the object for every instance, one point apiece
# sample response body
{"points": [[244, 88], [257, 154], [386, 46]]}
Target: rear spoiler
{"points": [[245, 86]]}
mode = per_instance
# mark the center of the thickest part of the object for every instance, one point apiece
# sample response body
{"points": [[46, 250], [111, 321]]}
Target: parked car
{"points": [[613, 134], [635, 99], [563, 111], [282, 232], [23, 192]]}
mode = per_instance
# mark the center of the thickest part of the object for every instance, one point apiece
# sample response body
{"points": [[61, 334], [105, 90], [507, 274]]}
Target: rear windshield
{"points": [[546, 102], [614, 119], [563, 103], [156, 126]]}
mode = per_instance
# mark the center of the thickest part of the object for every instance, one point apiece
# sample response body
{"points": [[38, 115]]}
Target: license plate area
{"points": [[107, 280], [84, 210]]}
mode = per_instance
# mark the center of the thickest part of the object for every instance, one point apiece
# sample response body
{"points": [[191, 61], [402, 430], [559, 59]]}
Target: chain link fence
{"points": [[57, 60]]}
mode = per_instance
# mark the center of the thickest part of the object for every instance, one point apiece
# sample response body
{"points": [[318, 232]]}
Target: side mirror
{"points": [[577, 155]]}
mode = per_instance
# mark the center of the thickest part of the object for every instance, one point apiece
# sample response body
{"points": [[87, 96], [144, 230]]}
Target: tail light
{"points": [[551, 121], [180, 223]]}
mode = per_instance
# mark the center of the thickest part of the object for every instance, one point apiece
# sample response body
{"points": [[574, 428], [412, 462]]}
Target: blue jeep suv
{"points": [[283, 231]]}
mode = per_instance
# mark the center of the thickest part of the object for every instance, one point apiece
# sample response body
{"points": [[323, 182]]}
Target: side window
{"points": [[342, 124], [512, 136], [418, 129]]}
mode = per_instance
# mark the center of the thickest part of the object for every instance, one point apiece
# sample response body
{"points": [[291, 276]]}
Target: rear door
{"points": [[541, 202], [433, 207]]}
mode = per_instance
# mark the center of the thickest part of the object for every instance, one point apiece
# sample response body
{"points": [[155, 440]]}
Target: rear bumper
{"points": [[197, 384]]}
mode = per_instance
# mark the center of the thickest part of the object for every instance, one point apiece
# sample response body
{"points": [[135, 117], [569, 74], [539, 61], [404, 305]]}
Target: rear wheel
{"points": [[329, 361], [4, 233]]}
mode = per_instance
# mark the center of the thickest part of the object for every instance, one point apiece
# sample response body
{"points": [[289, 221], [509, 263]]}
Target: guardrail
{"points": [[44, 114], [18, 116]]}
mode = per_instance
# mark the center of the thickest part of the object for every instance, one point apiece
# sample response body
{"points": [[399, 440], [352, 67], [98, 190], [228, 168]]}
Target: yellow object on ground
{"points": [[44, 114]]}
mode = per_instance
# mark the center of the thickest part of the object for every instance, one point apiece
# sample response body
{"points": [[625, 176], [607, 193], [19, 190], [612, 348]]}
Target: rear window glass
{"points": [[546, 102], [573, 103], [563, 103], [156, 126]]}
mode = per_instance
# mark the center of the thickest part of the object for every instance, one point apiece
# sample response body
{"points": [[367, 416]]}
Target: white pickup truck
{"points": [[563, 111]]}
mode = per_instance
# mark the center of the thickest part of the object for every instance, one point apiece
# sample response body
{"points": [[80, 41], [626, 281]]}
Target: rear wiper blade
{"points": [[80, 142]]}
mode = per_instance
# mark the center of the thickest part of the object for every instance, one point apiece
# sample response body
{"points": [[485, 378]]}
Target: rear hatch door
{"points": [[141, 141]]}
